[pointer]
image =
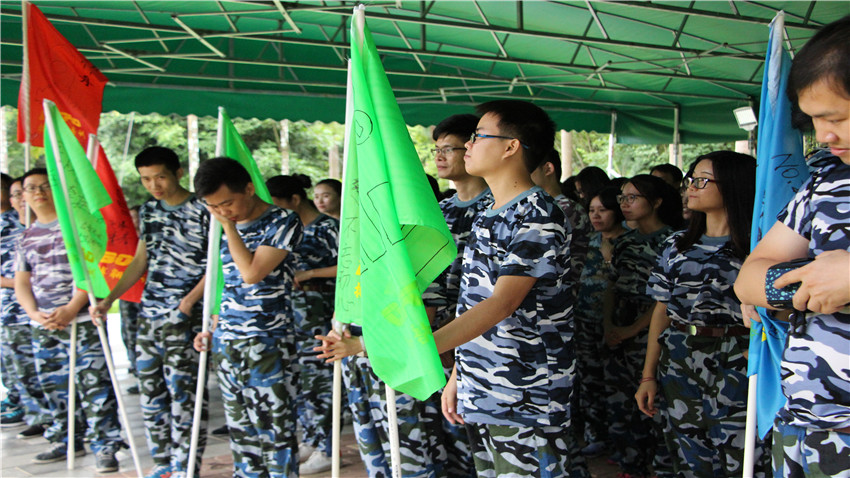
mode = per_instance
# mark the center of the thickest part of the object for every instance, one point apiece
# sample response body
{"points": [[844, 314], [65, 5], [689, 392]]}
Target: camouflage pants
{"points": [[421, 454], [168, 376], [637, 439], [96, 397], [313, 312], [257, 385], [130, 330], [704, 382], [800, 452], [22, 378], [514, 451], [590, 416]]}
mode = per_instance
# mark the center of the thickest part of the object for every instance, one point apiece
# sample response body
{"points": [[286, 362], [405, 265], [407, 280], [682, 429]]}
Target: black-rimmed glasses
{"points": [[628, 198], [45, 188], [698, 183]]}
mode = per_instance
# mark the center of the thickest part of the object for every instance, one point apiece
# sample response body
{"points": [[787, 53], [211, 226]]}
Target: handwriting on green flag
{"points": [[87, 195], [393, 238]]}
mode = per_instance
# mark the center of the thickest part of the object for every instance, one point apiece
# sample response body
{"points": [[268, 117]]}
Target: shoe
{"points": [[105, 461], [31, 432], [222, 430], [13, 418], [58, 452], [317, 463], [304, 452], [594, 449], [7, 406], [160, 471], [133, 390]]}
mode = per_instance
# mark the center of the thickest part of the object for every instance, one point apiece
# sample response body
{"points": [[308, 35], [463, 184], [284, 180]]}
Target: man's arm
{"points": [[7, 282], [508, 294], [253, 267], [192, 297], [780, 244], [134, 271], [23, 292]]}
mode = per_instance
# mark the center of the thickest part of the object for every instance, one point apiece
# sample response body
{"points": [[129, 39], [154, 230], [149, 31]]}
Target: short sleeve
{"points": [[798, 215], [535, 246], [283, 233], [329, 237], [659, 287], [21, 264]]}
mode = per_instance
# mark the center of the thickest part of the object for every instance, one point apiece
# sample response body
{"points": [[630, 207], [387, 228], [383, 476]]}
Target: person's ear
{"points": [[179, 173]]}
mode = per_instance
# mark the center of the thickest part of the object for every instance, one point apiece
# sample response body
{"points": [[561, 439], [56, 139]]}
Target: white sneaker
{"points": [[317, 463], [304, 452]]}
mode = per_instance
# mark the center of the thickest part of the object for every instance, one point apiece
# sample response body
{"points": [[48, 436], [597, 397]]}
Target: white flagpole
{"points": [[395, 452], [210, 284], [25, 111], [92, 300], [752, 427]]}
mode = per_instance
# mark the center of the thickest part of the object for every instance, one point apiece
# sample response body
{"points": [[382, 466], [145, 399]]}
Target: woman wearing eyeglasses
{"points": [[697, 348], [654, 208]]}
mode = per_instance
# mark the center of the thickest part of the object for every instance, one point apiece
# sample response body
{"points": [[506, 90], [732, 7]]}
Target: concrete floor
{"points": [[16, 455]]}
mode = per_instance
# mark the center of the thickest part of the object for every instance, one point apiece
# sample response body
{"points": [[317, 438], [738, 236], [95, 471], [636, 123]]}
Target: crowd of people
{"points": [[593, 316]]}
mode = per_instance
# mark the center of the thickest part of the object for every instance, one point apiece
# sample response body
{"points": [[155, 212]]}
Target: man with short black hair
{"points": [[254, 344], [45, 289]]}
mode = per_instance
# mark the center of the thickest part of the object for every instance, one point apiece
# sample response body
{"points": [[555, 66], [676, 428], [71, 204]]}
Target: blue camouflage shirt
{"points": [[11, 312], [520, 372], [816, 361], [444, 291], [176, 246], [635, 254], [319, 246], [696, 284], [264, 308], [581, 231], [42, 253]]}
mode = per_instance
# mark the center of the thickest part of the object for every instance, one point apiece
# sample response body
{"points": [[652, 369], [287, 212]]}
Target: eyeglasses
{"points": [[628, 198], [475, 136], [698, 183], [445, 151], [17, 194], [45, 188]]}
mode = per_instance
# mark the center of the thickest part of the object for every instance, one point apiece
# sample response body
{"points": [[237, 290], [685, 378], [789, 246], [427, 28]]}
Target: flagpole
{"points": [[751, 428], [92, 300], [395, 452], [25, 84], [210, 283]]}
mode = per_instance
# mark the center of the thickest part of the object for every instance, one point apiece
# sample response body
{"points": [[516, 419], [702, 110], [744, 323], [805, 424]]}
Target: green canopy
{"points": [[584, 62]]}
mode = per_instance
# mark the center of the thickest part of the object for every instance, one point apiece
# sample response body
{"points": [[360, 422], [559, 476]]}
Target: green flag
{"points": [[79, 212], [230, 144], [393, 238]]}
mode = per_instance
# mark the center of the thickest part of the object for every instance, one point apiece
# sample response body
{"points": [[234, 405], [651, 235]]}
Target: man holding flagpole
{"points": [[811, 434], [44, 286], [254, 345], [174, 227]]}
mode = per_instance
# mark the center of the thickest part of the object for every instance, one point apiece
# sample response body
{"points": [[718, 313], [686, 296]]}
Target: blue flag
{"points": [[780, 174]]}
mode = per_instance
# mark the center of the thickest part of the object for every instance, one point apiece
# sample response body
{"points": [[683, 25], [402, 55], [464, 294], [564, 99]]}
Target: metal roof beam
{"points": [[718, 15], [131, 57], [145, 18], [596, 19], [197, 36], [286, 16]]}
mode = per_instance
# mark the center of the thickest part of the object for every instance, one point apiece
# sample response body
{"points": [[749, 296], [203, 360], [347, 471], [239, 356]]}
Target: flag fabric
{"points": [[780, 173], [86, 195], [393, 238], [231, 144], [60, 73], [120, 231]]}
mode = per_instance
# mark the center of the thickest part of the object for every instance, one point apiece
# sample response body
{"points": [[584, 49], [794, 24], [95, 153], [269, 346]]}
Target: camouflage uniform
{"points": [[418, 425], [175, 243], [636, 438], [580, 239], [443, 294], [816, 378], [42, 253], [591, 414], [313, 307], [516, 379], [18, 361], [254, 347], [703, 378], [130, 330]]}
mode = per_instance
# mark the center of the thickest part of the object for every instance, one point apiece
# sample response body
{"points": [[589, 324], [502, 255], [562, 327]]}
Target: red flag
{"points": [[119, 229], [60, 73]]}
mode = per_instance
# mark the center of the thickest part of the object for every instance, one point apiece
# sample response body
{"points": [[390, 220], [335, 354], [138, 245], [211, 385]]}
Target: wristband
{"points": [[647, 379]]}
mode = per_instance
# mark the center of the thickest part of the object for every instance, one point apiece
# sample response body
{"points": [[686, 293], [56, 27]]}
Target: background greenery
{"points": [[309, 145]]}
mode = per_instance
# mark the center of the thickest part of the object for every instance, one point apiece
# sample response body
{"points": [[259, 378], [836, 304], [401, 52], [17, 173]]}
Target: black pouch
{"points": [[781, 298]]}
